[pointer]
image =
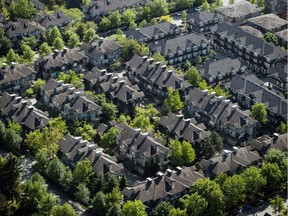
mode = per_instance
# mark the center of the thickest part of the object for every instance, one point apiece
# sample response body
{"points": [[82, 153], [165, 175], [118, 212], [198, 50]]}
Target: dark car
{"points": [[246, 208], [258, 203]]}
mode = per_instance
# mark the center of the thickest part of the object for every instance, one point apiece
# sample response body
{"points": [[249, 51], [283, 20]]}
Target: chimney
{"points": [[114, 79], [4, 65], [220, 98], [157, 63], [233, 107], [213, 94], [169, 172], [226, 102], [56, 51], [65, 50], [78, 93], [122, 82], [179, 170], [90, 146], [150, 60], [71, 90], [159, 175], [205, 92], [13, 65], [149, 182], [181, 117], [137, 129], [18, 99], [226, 152], [164, 67], [235, 149], [275, 137], [144, 58], [24, 102]]}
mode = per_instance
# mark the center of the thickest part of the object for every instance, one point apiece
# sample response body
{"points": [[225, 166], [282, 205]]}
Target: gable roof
{"points": [[156, 73], [223, 66], [246, 86], [201, 16], [14, 73], [164, 47], [14, 107], [219, 108], [50, 20], [229, 161], [183, 128]]}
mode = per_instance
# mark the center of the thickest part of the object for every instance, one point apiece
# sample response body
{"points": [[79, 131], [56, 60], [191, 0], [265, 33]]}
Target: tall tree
{"points": [[86, 131], [5, 43], [115, 18], [82, 172], [129, 16], [277, 204], [44, 49], [90, 35], [53, 34], [193, 76], [28, 53], [173, 101], [162, 209], [108, 140], [275, 156], [111, 183], [211, 192], [188, 153], [273, 176], [212, 144], [115, 210], [58, 43], [177, 212], [73, 41], [194, 204], [134, 208], [82, 193], [234, 190], [24, 9], [99, 204], [253, 179], [64, 210], [158, 8], [259, 112], [12, 57]]}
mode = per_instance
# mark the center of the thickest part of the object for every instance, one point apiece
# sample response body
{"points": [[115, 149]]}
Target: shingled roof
{"points": [[20, 111], [50, 20]]}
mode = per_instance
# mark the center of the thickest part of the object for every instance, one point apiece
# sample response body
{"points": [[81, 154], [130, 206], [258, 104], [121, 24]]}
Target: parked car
{"points": [[246, 208]]}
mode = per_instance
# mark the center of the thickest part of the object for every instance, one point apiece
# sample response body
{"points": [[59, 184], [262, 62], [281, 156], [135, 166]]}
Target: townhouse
{"points": [[249, 90], [103, 52], [117, 88], [238, 13], [19, 110], [264, 143], [139, 149], [168, 186], [23, 28], [153, 33], [282, 37], [201, 22], [254, 52], [177, 127], [16, 78], [52, 65], [74, 149], [154, 78], [182, 48], [221, 115], [97, 9], [71, 103], [278, 77], [278, 7], [220, 71], [230, 162], [48, 21], [268, 23]]}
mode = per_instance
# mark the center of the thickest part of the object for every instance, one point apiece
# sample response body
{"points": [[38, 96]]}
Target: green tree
{"points": [[193, 76], [111, 183], [12, 57], [108, 140], [30, 41], [194, 204], [234, 190], [44, 49], [273, 176], [205, 7], [99, 204], [55, 168], [114, 197], [81, 30], [154, 21], [64, 210], [132, 25], [176, 152], [212, 144], [231, 1], [82, 193], [12, 10], [58, 43], [173, 101], [115, 18], [73, 41], [184, 16], [275, 156], [82, 172], [24, 9], [115, 210], [277, 204], [282, 129], [129, 16], [259, 112], [90, 35], [109, 110], [131, 47], [28, 53], [253, 179], [5, 43], [43, 158], [142, 23], [10, 176], [87, 132], [271, 38], [59, 124], [162, 209], [105, 24], [261, 3], [134, 208], [73, 78], [158, 57], [123, 182], [12, 138], [211, 192], [158, 8], [5, 13], [66, 179], [177, 212], [53, 34], [188, 153]]}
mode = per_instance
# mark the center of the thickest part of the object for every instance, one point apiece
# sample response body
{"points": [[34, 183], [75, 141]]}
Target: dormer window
{"points": [[109, 2]]}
